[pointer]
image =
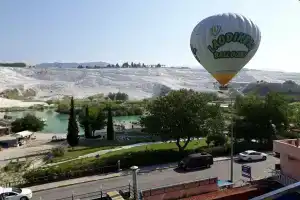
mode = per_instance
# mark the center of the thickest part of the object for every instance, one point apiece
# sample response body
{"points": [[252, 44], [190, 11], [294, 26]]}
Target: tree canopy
{"points": [[29, 122], [119, 96], [181, 114], [260, 119], [92, 117]]}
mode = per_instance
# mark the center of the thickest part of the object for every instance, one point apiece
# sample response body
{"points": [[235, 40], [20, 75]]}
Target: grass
{"points": [[90, 147], [79, 151], [161, 146]]}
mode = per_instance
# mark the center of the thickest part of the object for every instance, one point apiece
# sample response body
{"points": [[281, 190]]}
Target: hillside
{"points": [[47, 83]]}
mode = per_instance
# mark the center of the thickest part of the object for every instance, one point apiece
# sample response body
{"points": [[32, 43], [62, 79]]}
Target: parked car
{"points": [[15, 193], [251, 155], [197, 160]]}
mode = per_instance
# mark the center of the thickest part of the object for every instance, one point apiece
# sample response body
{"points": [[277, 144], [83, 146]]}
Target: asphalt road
{"points": [[219, 169]]}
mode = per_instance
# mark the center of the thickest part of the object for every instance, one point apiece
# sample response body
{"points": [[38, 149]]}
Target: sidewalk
{"points": [[142, 170], [74, 181]]}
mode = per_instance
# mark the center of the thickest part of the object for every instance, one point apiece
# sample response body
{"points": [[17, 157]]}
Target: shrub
{"points": [[13, 166], [287, 135], [216, 139], [58, 152], [244, 145]]}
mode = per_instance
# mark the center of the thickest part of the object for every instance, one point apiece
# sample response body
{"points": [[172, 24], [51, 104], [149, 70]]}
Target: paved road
{"points": [[166, 177]]}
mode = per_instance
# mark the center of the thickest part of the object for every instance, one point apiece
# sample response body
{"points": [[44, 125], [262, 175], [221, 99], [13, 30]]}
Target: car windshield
{"points": [[16, 190], [245, 152]]}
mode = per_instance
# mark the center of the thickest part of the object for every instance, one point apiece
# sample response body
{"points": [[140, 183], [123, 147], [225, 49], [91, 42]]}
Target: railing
{"points": [[125, 191], [282, 179]]}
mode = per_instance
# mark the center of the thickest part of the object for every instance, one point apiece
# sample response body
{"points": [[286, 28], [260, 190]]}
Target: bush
{"points": [[243, 146], [216, 139], [58, 152], [287, 135], [13, 166]]}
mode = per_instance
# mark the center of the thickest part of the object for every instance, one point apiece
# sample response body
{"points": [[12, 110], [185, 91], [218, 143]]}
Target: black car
{"points": [[197, 160]]}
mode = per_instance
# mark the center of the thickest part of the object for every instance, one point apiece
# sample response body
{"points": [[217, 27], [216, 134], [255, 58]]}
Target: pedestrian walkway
{"points": [[74, 181], [102, 152]]}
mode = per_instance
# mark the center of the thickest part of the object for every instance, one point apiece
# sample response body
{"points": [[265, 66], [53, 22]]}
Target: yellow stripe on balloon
{"points": [[223, 78]]}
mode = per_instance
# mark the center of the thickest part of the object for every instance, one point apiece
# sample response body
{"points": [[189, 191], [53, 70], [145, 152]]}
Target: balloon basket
{"points": [[223, 87]]}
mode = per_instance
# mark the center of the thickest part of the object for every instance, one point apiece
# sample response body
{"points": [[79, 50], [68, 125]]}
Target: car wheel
{"points": [[249, 159], [264, 158], [208, 166], [24, 198]]}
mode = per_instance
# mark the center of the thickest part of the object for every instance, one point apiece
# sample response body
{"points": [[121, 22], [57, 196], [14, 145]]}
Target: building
{"points": [[286, 172], [289, 152]]}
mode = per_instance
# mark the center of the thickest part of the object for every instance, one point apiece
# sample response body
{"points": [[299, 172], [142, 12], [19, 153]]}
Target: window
{"points": [[255, 153], [16, 190], [9, 194]]}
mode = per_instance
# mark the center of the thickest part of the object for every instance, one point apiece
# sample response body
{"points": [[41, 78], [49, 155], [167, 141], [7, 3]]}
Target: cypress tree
{"points": [[73, 131], [110, 126], [86, 124]]}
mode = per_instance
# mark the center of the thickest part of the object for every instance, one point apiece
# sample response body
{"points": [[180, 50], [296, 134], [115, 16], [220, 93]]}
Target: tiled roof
{"points": [[220, 194]]}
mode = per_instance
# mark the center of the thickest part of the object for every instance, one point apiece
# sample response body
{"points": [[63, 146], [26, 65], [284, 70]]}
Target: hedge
{"points": [[127, 159]]}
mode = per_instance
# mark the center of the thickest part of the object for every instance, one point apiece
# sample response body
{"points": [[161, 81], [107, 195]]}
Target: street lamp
{"points": [[230, 93]]}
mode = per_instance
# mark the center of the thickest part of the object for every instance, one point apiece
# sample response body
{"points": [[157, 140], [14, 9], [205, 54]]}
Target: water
{"points": [[222, 183], [58, 123]]}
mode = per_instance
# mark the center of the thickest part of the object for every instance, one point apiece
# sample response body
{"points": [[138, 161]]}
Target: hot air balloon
{"points": [[223, 44]]}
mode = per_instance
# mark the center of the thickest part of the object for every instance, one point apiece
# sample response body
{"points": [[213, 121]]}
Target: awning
{"points": [[22, 134]]}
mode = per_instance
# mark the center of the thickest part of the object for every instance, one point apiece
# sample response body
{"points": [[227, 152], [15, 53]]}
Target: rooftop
{"points": [[225, 193]]}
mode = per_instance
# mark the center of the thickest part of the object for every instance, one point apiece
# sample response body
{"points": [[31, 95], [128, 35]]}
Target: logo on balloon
{"points": [[194, 51], [215, 30], [229, 38]]}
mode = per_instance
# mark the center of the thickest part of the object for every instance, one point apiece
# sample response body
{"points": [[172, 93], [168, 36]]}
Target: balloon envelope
{"points": [[223, 44]]}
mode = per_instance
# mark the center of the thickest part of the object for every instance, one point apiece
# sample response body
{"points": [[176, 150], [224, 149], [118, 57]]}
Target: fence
{"points": [[126, 191], [282, 179]]}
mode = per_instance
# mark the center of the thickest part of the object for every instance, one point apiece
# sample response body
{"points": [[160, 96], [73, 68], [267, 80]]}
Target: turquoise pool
{"points": [[58, 123]]}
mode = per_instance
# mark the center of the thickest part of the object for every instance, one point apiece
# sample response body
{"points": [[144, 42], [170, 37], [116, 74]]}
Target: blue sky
{"points": [[149, 31]]}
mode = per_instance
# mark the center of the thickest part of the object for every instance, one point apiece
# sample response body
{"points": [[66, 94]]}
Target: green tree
{"points": [[294, 114], [181, 114], [85, 123], [216, 127], [216, 139], [260, 119], [118, 96], [29, 122], [73, 131], [96, 119], [110, 126]]}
